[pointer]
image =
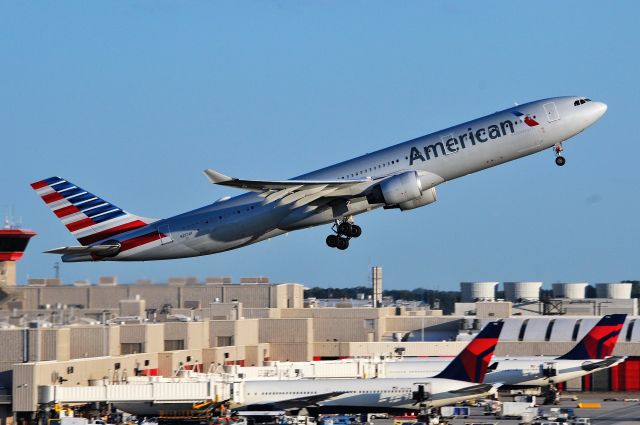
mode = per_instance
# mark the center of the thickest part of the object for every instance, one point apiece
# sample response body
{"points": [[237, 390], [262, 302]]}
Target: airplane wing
{"points": [[293, 403], [608, 362], [93, 249], [298, 192], [476, 389], [263, 185]]}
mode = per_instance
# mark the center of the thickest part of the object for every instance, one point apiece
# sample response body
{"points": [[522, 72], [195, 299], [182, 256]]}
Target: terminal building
{"points": [[75, 335]]}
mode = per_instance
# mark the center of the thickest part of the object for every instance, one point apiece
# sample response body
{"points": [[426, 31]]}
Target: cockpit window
{"points": [[581, 102]]}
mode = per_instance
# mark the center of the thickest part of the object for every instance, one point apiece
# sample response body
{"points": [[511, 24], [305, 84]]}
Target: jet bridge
{"points": [[147, 391]]}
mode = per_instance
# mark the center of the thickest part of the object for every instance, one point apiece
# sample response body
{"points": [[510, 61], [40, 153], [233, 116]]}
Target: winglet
{"points": [[216, 177]]}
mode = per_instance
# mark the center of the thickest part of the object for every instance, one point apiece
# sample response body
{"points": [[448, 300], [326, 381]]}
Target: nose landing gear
{"points": [[560, 160], [344, 230]]}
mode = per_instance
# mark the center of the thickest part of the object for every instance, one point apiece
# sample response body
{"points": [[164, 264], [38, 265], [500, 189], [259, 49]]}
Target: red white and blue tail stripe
{"points": [[88, 217]]}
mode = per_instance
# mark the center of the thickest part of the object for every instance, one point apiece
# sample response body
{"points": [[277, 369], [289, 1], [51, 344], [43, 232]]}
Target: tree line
{"points": [[444, 300]]}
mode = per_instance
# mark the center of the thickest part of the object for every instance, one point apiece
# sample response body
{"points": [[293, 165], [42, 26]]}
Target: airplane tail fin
{"points": [[88, 217], [471, 364], [600, 341]]}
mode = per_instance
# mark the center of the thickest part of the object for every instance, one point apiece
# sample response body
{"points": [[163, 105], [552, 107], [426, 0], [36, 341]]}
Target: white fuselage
{"points": [[438, 157], [525, 372], [360, 393]]}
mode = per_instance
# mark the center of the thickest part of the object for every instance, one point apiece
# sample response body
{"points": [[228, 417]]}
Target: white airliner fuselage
{"points": [[403, 176], [366, 394], [518, 372]]}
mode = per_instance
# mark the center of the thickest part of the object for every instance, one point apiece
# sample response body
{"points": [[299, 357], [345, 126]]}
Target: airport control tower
{"points": [[13, 242]]}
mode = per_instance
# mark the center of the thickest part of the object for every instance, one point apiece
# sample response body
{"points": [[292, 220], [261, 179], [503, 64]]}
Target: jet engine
{"points": [[427, 197], [402, 191]]}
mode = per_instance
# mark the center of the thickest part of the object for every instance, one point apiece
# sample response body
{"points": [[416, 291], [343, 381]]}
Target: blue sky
{"points": [[132, 100]]}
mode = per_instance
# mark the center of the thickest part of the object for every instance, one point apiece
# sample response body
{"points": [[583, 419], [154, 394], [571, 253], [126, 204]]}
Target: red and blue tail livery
{"points": [[471, 364], [600, 341], [88, 217]]}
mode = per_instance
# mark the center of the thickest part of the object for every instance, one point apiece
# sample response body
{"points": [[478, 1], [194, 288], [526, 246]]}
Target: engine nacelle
{"points": [[397, 189], [427, 197]]}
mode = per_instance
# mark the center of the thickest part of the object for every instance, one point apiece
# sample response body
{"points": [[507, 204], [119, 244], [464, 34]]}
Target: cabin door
{"points": [[551, 112]]}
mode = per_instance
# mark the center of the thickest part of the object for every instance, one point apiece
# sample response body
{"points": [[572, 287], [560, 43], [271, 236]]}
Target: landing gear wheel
{"points": [[560, 161], [344, 228], [332, 241], [342, 244]]}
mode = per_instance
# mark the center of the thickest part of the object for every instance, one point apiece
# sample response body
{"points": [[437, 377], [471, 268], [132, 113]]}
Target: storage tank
{"points": [[613, 290], [478, 291], [526, 291], [571, 290], [575, 290]]}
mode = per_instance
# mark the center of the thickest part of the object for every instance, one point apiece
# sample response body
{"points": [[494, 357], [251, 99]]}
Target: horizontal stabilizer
{"points": [[94, 249]]}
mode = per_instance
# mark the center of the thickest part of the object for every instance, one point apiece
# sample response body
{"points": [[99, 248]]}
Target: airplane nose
{"points": [[599, 109], [592, 112]]}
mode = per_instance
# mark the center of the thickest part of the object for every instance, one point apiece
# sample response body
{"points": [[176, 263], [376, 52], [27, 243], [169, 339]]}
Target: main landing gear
{"points": [[344, 231], [557, 149]]}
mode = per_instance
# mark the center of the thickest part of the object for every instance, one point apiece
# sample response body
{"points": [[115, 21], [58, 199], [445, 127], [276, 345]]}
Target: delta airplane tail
{"points": [[88, 217], [471, 364], [600, 341]]}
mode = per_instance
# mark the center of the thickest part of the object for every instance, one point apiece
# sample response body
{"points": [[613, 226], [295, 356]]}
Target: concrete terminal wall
{"points": [[286, 331], [243, 332], [156, 295], [26, 376], [92, 341], [261, 313]]}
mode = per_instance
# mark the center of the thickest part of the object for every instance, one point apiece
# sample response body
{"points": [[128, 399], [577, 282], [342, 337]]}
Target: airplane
{"points": [[592, 353], [403, 176], [460, 380]]}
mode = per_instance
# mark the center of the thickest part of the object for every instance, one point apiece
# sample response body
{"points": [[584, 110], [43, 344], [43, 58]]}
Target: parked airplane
{"points": [[591, 354], [403, 176], [460, 380]]}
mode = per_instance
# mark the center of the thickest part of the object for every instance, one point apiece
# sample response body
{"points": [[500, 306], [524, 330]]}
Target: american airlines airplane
{"points": [[403, 176], [592, 353]]}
